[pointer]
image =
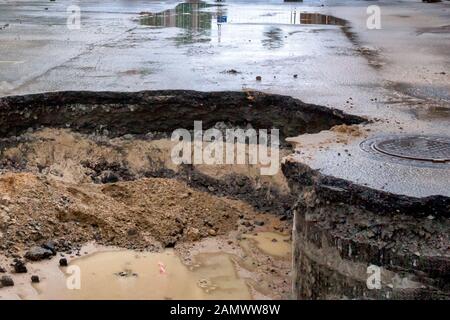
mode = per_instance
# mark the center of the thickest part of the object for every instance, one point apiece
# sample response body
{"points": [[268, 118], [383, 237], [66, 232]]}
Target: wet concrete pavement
{"points": [[397, 77]]}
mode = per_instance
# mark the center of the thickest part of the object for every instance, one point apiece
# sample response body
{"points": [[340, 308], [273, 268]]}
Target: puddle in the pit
{"points": [[202, 16], [128, 274], [271, 243]]}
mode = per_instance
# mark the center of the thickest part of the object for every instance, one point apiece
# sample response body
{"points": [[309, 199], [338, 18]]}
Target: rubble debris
{"points": [[38, 253], [231, 71], [6, 281], [63, 262], [19, 266]]}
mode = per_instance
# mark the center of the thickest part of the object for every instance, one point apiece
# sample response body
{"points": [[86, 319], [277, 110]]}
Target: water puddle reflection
{"points": [[201, 15], [198, 19], [184, 15]]}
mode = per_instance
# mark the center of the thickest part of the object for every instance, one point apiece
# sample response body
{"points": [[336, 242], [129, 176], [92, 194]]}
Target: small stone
{"points": [[63, 262], [193, 234], [108, 176], [35, 279], [50, 245], [232, 71], [295, 76], [2, 270], [258, 78], [38, 253], [128, 136], [259, 223], [19, 266], [248, 224], [212, 232], [6, 281], [132, 232]]}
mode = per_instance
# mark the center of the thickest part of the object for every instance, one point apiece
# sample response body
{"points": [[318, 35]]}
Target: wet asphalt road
{"points": [[398, 77]]}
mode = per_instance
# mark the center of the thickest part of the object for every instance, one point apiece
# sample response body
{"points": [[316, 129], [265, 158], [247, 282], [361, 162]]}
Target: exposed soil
{"points": [[137, 214], [120, 113], [341, 227], [78, 188], [69, 188]]}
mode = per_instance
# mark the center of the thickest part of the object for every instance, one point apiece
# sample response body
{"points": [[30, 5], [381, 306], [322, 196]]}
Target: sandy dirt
{"points": [[70, 189]]}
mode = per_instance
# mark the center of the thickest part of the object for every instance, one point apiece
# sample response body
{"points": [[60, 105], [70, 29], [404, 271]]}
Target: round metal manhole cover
{"points": [[417, 149], [435, 149]]}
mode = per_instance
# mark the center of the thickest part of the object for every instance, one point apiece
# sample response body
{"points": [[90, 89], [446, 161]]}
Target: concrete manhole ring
{"points": [[410, 149]]}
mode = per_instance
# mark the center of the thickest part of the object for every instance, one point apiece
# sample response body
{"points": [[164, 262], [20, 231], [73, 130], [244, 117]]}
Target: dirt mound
{"points": [[75, 187], [140, 214]]}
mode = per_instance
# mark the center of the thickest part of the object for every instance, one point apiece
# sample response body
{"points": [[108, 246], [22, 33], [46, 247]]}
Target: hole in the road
{"points": [[138, 113], [97, 166], [96, 161]]}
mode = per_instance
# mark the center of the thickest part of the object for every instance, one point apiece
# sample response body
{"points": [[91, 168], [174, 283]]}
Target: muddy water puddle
{"points": [[127, 274], [267, 28], [271, 243], [201, 15], [118, 274]]}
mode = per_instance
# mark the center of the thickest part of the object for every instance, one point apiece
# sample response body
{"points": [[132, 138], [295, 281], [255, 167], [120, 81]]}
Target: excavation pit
{"points": [[120, 113], [82, 157], [85, 166]]}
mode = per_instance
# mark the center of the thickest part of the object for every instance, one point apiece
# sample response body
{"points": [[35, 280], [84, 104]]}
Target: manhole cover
{"points": [[424, 148]]}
